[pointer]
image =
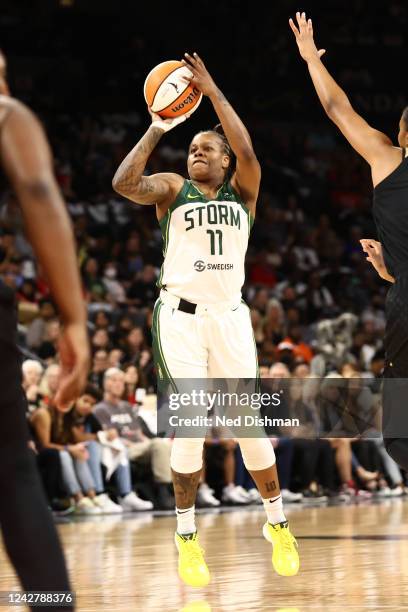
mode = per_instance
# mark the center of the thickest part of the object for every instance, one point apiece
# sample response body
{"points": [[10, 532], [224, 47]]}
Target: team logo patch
{"points": [[199, 265]]}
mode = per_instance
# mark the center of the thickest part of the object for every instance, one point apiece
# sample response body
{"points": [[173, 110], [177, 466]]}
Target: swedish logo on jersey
{"points": [[199, 265]]}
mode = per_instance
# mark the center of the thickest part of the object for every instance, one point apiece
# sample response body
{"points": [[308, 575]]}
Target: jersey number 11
{"points": [[212, 238]]}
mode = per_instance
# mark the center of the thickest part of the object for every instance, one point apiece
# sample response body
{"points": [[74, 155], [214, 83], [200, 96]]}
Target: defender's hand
{"points": [[373, 250], [304, 38]]}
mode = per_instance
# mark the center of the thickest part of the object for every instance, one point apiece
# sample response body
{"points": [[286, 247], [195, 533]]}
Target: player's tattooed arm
{"points": [[247, 175], [185, 488], [129, 180]]}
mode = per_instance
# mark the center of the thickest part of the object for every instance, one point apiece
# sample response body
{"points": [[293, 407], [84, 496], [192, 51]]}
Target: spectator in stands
{"points": [[115, 359], [85, 428], [131, 384], [47, 424], [135, 343], [301, 350], [101, 340], [49, 383], [48, 348], [320, 301], [278, 378], [115, 290], [142, 291], [32, 372], [93, 284], [142, 446], [100, 364], [36, 330]]}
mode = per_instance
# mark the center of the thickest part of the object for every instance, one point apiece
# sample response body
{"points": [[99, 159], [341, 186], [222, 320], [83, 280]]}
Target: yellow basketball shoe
{"points": [[285, 558], [192, 568]]}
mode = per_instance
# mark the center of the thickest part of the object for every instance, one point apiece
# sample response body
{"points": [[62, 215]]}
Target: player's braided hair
{"points": [[217, 129], [405, 117]]}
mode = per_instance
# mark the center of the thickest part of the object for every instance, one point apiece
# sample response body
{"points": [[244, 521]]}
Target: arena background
{"points": [[315, 302], [81, 65]]}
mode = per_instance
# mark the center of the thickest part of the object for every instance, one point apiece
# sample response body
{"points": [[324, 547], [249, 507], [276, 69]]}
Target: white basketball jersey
{"points": [[205, 242]]}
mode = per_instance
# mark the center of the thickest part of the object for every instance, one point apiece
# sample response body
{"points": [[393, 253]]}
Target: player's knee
{"points": [[257, 453], [187, 455]]}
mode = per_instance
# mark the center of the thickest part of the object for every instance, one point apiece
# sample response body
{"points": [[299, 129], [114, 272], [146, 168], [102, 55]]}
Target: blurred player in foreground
{"points": [[28, 530]]}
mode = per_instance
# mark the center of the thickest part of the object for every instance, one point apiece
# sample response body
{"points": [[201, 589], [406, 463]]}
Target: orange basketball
{"points": [[167, 94]]}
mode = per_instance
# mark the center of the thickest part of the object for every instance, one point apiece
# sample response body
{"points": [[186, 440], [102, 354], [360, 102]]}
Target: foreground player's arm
{"points": [[27, 161], [248, 171], [129, 180], [373, 249], [367, 141]]}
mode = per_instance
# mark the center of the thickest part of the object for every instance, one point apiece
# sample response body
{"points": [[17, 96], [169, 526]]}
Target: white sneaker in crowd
{"points": [[132, 503], [383, 492], [232, 494], [289, 497], [205, 496], [254, 496], [86, 506], [397, 491], [107, 506]]}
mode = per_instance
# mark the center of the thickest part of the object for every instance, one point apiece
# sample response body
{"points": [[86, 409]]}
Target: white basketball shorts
{"points": [[216, 341]]}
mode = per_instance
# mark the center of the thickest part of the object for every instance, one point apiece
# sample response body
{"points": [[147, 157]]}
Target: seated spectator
{"points": [[118, 415], [47, 424], [49, 383], [93, 284], [301, 350], [115, 359], [277, 378], [101, 320], [302, 370], [147, 371], [142, 291], [131, 385], [99, 365], [286, 354], [32, 372], [135, 343], [100, 340], [48, 349], [85, 428], [320, 301], [36, 330], [115, 291]]}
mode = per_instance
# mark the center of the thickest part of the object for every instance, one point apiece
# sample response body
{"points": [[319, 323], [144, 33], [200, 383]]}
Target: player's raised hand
{"points": [[304, 37], [167, 124], [201, 77]]}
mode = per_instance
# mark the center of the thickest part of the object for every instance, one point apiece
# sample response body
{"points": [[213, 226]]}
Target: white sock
{"points": [[274, 510], [186, 520]]}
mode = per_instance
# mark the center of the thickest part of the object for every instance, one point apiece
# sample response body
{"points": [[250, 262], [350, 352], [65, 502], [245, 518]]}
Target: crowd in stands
{"points": [[317, 307]]}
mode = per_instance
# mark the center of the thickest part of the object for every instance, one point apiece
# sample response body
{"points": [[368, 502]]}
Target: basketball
{"points": [[167, 94]]}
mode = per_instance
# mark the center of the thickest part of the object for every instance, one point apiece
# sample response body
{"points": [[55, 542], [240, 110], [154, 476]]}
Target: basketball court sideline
{"points": [[352, 556]]}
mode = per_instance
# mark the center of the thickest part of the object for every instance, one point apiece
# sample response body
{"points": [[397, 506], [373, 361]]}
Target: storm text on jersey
{"points": [[211, 214]]}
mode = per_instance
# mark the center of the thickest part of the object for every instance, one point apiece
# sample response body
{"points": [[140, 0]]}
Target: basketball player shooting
{"points": [[389, 255], [29, 534], [201, 328]]}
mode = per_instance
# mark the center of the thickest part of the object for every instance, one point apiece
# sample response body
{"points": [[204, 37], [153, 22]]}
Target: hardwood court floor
{"points": [[352, 557]]}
